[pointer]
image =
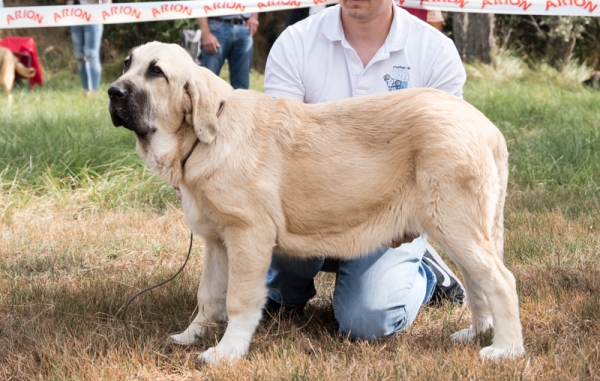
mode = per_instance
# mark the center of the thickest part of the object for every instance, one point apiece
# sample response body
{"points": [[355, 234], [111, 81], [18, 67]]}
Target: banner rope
{"points": [[68, 15]]}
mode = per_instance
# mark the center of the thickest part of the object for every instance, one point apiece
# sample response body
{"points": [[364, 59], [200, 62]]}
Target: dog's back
{"points": [[360, 175], [416, 161]]}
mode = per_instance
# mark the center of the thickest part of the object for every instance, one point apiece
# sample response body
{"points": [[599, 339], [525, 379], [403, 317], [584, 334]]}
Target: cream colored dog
{"points": [[9, 65], [259, 174]]}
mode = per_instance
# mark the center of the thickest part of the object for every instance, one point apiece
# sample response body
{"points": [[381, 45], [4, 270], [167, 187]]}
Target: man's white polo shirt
{"points": [[312, 61]]}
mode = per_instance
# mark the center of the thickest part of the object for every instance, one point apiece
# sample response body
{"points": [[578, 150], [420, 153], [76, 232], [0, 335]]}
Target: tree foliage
{"points": [[555, 39]]}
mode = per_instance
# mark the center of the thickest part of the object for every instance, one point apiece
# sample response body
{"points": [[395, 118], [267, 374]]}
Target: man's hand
{"points": [[406, 238], [210, 43], [252, 24]]}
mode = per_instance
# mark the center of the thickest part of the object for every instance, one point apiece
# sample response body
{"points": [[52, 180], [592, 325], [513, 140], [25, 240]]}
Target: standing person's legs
{"points": [[77, 36], [93, 68], [382, 292], [223, 32], [240, 57]]}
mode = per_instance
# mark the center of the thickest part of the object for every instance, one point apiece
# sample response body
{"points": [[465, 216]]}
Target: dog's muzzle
{"points": [[126, 109], [116, 95]]}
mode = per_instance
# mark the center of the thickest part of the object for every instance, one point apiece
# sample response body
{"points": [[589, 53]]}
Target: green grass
{"points": [[552, 127], [553, 132], [84, 224], [53, 135], [53, 140]]}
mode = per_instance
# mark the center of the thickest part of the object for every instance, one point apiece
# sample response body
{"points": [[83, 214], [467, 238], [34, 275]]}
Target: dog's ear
{"points": [[204, 110]]}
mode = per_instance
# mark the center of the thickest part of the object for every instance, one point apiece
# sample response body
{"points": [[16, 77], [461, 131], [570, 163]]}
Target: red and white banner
{"points": [[49, 16], [517, 7]]}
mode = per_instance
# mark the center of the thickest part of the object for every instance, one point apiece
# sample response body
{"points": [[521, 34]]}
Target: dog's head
{"points": [[167, 101]]}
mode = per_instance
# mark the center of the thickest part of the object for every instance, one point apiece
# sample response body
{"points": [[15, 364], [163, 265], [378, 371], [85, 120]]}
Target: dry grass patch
{"points": [[65, 272]]}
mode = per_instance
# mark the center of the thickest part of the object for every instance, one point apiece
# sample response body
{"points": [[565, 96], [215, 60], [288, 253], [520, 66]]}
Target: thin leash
{"points": [[126, 306]]}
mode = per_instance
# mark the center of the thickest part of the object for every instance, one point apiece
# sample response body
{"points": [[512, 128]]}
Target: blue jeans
{"points": [[86, 41], [236, 46], [375, 295]]}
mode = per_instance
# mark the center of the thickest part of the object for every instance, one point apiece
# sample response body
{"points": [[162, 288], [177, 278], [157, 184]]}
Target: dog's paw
{"points": [[188, 337], [464, 335], [221, 354], [183, 339], [495, 354]]}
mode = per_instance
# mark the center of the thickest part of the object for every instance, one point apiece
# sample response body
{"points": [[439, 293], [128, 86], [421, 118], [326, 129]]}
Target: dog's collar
{"points": [[185, 159]]}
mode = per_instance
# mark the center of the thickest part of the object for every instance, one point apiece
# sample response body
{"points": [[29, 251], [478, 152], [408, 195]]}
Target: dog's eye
{"points": [[126, 63], [156, 70]]}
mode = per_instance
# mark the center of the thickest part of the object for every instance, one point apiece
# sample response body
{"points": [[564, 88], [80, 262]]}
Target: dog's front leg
{"points": [[211, 293], [249, 255]]}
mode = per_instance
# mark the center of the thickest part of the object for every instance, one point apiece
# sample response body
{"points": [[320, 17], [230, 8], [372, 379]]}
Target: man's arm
{"points": [[252, 23], [209, 42], [283, 73], [447, 71]]}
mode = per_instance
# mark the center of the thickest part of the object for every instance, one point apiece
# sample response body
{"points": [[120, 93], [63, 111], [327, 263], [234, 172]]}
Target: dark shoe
{"points": [[448, 285], [275, 309]]}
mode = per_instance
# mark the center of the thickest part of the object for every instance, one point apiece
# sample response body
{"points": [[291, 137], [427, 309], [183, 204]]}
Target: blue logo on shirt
{"points": [[399, 78]]}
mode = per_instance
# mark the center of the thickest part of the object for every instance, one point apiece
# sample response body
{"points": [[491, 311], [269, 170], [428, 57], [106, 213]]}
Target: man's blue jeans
{"points": [[375, 295], [86, 41], [236, 46]]}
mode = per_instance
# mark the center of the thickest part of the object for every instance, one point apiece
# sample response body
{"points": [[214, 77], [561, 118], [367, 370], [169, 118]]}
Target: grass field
{"points": [[83, 225]]}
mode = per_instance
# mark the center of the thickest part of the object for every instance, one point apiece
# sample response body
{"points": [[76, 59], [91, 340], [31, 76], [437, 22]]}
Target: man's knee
{"points": [[362, 323], [297, 267], [290, 280]]}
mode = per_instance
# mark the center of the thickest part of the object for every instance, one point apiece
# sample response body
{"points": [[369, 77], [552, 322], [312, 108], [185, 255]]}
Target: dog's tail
{"points": [[23, 70], [501, 160]]}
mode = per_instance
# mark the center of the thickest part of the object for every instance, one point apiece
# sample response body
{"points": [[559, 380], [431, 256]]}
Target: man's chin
{"points": [[357, 11]]}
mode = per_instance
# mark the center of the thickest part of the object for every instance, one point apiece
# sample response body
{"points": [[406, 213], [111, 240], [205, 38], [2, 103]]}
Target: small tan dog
{"points": [[259, 174], [9, 65]]}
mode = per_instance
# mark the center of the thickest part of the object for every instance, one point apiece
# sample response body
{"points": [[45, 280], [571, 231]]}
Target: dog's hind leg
{"points": [[7, 84], [211, 293], [487, 279], [480, 311], [250, 253], [7, 78]]}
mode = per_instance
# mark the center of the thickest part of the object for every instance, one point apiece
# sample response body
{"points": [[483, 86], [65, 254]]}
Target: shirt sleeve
{"points": [[283, 72], [447, 72]]}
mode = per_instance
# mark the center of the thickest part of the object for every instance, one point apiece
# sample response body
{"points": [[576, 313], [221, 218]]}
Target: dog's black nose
{"points": [[116, 91]]}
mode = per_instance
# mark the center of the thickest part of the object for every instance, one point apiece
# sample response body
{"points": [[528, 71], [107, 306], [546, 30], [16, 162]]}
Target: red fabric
{"points": [[419, 13], [26, 45]]}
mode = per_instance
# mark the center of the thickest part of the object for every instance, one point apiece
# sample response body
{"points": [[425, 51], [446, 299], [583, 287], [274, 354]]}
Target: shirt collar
{"points": [[399, 31], [333, 24], [396, 39]]}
